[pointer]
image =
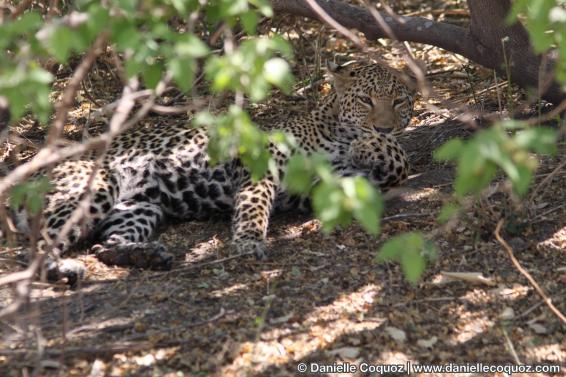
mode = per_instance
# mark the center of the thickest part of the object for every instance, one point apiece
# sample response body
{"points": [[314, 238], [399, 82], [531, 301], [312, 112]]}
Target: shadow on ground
{"points": [[319, 298]]}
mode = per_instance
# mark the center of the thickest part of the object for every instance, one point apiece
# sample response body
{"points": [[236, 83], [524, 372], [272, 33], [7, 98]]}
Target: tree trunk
{"points": [[482, 42]]}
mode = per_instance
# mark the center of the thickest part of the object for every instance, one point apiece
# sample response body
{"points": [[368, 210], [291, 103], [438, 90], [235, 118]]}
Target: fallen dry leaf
{"points": [[427, 343], [346, 352], [397, 334], [507, 314], [538, 328], [470, 277]]}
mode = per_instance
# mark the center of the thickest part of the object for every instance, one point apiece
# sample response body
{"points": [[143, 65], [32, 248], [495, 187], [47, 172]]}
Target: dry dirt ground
{"points": [[319, 298]]}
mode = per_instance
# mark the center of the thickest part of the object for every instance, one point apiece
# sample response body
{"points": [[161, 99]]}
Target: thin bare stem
{"points": [[332, 22], [74, 84], [525, 273]]}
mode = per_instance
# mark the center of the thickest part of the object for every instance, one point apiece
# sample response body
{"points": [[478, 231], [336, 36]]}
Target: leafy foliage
{"points": [[234, 134], [336, 200], [22, 81], [30, 194], [545, 20], [412, 250], [150, 44], [479, 158]]}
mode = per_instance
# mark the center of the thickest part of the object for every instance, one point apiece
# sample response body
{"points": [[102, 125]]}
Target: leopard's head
{"points": [[372, 97]]}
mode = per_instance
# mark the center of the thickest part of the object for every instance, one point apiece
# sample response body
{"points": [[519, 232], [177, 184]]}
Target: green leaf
{"points": [[369, 218], [183, 72], [328, 205], [17, 195], [152, 74], [125, 34], [277, 72], [31, 194], [449, 150], [447, 211], [538, 24], [518, 6], [397, 245], [299, 175], [191, 47], [522, 181], [129, 6], [27, 22], [249, 21], [473, 181], [369, 209], [39, 75], [411, 250], [413, 264], [264, 7], [34, 204], [61, 43], [539, 139]]}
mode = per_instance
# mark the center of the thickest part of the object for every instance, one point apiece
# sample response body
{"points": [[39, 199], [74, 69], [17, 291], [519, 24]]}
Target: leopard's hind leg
{"points": [[125, 235]]}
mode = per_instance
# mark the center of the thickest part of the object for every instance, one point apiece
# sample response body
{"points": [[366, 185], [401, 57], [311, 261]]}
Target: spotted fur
{"points": [[165, 172]]}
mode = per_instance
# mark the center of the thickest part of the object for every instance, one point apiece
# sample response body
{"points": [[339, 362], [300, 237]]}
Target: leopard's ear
{"points": [[343, 71], [341, 74]]}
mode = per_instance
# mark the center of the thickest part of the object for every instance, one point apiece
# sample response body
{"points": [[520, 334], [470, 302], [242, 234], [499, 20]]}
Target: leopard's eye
{"points": [[397, 102], [366, 100]]}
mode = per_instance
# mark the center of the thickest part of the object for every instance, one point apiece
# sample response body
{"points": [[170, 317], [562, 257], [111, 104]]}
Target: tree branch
{"points": [[481, 42], [414, 29]]}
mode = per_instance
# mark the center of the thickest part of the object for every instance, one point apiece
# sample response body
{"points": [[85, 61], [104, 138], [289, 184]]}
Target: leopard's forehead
{"points": [[374, 80]]}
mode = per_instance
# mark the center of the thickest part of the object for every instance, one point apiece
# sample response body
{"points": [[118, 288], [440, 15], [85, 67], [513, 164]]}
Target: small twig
{"points": [[451, 12], [332, 22], [404, 215], [499, 104], [71, 89], [216, 261], [200, 265], [410, 59], [430, 299], [525, 273], [529, 310], [313, 84], [546, 180], [511, 347], [88, 95], [206, 321], [18, 276], [542, 215]]}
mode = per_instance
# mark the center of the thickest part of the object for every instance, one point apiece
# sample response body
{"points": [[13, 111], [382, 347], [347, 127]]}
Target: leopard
{"points": [[148, 176]]}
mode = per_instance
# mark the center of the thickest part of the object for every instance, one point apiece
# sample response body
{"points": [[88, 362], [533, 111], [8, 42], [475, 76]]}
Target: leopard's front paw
{"points": [[255, 247], [152, 255]]}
